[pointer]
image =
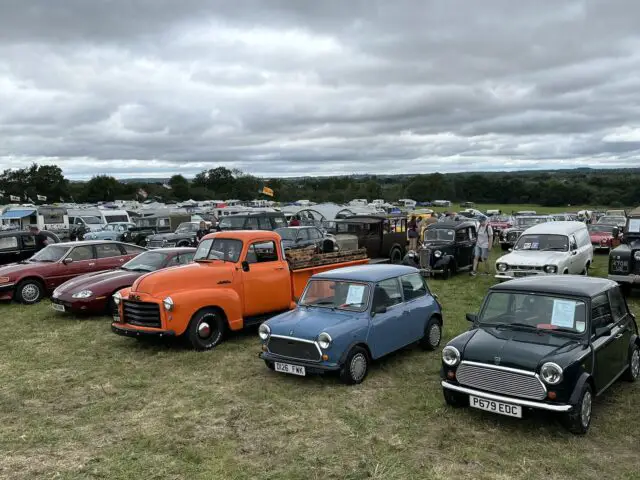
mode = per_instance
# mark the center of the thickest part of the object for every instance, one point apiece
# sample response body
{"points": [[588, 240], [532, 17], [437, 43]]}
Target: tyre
{"points": [[585, 272], [182, 244], [29, 292], [633, 372], [432, 334], [395, 256], [355, 367], [206, 329], [579, 419], [455, 399]]}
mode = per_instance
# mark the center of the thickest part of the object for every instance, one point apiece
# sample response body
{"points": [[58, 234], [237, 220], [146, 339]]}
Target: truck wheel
{"points": [[206, 329], [29, 292], [455, 399], [579, 419], [432, 334], [355, 367], [395, 256]]}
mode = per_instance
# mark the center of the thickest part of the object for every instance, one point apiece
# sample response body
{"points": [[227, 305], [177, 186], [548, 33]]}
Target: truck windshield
{"points": [[338, 294], [225, 249], [535, 311], [146, 262], [556, 243], [634, 225]]}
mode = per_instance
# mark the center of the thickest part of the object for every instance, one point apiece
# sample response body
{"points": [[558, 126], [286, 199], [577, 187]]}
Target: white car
{"points": [[548, 249]]}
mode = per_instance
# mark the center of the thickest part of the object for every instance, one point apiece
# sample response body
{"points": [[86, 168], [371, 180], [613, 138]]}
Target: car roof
{"points": [[367, 273], [87, 242], [174, 250], [557, 228], [244, 234], [635, 212], [451, 224], [574, 285], [299, 227]]}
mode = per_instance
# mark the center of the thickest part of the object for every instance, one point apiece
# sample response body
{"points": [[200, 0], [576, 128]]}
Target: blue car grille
{"points": [[506, 382], [294, 348]]}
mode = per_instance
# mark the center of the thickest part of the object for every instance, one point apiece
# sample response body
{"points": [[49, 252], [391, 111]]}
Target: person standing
{"points": [[412, 233], [40, 238], [202, 231], [483, 246]]}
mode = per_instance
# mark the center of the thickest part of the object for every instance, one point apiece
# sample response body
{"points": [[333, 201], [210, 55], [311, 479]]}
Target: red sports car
{"points": [[92, 293], [602, 236], [30, 280]]}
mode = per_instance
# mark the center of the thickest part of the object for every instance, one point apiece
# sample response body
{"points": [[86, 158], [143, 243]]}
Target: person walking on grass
{"points": [[483, 246]]}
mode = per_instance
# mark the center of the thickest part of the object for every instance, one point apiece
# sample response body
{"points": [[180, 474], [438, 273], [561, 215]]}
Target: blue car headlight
{"points": [[264, 332], [324, 340]]}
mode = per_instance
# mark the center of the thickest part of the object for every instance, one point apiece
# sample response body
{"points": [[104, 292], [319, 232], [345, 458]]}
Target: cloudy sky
{"points": [[284, 88]]}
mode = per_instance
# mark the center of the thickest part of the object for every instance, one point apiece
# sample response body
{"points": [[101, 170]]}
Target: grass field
{"points": [[77, 401]]}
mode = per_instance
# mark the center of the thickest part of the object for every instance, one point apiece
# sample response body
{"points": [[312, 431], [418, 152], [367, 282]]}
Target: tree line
{"points": [[549, 188]]}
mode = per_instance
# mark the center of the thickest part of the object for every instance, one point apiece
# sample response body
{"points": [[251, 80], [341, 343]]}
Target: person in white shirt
{"points": [[483, 246]]}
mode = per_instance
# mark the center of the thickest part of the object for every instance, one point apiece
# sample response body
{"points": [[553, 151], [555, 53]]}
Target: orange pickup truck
{"points": [[238, 278]]}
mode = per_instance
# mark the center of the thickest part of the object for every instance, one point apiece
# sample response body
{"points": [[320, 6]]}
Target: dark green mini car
{"points": [[540, 343]]}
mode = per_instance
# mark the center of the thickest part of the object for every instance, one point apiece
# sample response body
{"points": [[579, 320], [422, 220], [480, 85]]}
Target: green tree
{"points": [[180, 187], [102, 188]]}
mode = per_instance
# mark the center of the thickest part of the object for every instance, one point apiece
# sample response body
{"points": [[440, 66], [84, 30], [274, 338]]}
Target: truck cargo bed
{"points": [[307, 258]]}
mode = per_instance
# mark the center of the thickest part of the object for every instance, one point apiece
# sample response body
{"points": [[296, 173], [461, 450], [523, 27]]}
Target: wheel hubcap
{"points": [[30, 293], [434, 335], [204, 330], [635, 363], [586, 409], [358, 366]]}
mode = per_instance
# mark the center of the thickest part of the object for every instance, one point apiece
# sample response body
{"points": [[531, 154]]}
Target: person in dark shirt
{"points": [[202, 231], [40, 238]]}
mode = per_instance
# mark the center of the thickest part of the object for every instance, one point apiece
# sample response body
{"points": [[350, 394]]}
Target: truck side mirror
{"points": [[245, 266]]}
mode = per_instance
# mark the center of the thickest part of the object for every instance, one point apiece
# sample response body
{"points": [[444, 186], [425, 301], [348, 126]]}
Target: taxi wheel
{"points": [[29, 292], [579, 419], [355, 367], [206, 329], [395, 256]]}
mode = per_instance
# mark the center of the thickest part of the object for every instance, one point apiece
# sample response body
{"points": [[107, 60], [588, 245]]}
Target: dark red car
{"points": [[30, 280], [498, 223], [602, 237], [92, 293]]}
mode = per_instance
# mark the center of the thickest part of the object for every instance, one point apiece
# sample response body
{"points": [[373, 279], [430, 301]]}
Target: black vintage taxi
{"points": [[447, 248], [540, 344], [18, 245], [624, 260]]}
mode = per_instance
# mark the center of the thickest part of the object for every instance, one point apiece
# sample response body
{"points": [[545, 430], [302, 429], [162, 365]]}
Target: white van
{"points": [[547, 249], [114, 216], [90, 219]]}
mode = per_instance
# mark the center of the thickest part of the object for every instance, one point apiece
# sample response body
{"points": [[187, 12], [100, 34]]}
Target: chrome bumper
{"points": [[631, 278], [500, 398], [504, 276]]}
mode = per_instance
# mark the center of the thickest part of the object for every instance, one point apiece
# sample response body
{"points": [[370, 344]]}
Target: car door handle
{"points": [[618, 336]]}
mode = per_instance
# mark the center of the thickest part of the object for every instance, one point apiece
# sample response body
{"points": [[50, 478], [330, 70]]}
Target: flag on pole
{"points": [[14, 198], [267, 191], [42, 198]]}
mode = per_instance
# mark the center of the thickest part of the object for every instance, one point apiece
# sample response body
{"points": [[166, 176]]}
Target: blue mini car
{"points": [[348, 317]]}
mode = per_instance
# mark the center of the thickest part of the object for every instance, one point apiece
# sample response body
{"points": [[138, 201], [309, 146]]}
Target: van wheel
{"points": [[633, 371], [29, 292], [206, 329]]}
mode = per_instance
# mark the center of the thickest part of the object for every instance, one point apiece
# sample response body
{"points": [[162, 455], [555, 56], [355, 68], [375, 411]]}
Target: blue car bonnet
{"points": [[308, 322]]}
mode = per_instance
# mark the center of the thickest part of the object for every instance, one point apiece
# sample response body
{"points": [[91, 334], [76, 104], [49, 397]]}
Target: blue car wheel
{"points": [[356, 366]]}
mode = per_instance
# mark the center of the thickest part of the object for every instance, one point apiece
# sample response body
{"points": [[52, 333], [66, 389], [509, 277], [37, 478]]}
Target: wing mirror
{"points": [[245, 266], [472, 317], [574, 252], [67, 261], [380, 309], [602, 331]]}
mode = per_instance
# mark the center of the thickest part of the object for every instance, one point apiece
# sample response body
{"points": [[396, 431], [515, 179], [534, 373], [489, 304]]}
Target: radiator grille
{"points": [[505, 382], [293, 348], [143, 314]]}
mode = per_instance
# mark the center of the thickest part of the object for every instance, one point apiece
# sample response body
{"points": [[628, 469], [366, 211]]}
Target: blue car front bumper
{"points": [[310, 367]]}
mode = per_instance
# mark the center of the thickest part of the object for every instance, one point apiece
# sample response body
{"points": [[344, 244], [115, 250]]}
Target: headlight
{"points": [[264, 332], [5, 280], [636, 255], [550, 268], [82, 294], [168, 304], [451, 356], [324, 340], [437, 254], [551, 373], [502, 267], [116, 298]]}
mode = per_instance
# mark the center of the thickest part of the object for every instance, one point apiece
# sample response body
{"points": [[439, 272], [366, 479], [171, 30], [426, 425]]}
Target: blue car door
{"points": [[418, 306], [387, 332]]}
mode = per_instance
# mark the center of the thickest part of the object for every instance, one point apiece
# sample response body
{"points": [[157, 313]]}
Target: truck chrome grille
{"points": [[143, 314], [509, 382], [155, 244], [425, 258], [294, 348]]}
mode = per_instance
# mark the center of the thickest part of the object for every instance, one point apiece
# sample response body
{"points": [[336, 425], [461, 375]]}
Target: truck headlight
{"points": [[551, 373], [168, 304], [264, 332], [437, 254], [502, 267], [450, 356], [550, 268], [117, 298], [324, 340], [82, 294], [636, 255]]}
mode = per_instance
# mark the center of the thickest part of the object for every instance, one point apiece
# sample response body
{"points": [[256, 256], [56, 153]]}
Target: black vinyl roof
{"points": [[570, 285], [451, 225]]}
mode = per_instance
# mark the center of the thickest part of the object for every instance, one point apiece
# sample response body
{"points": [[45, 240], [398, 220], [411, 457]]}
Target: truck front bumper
{"points": [[560, 408], [121, 329], [311, 367], [632, 279]]}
